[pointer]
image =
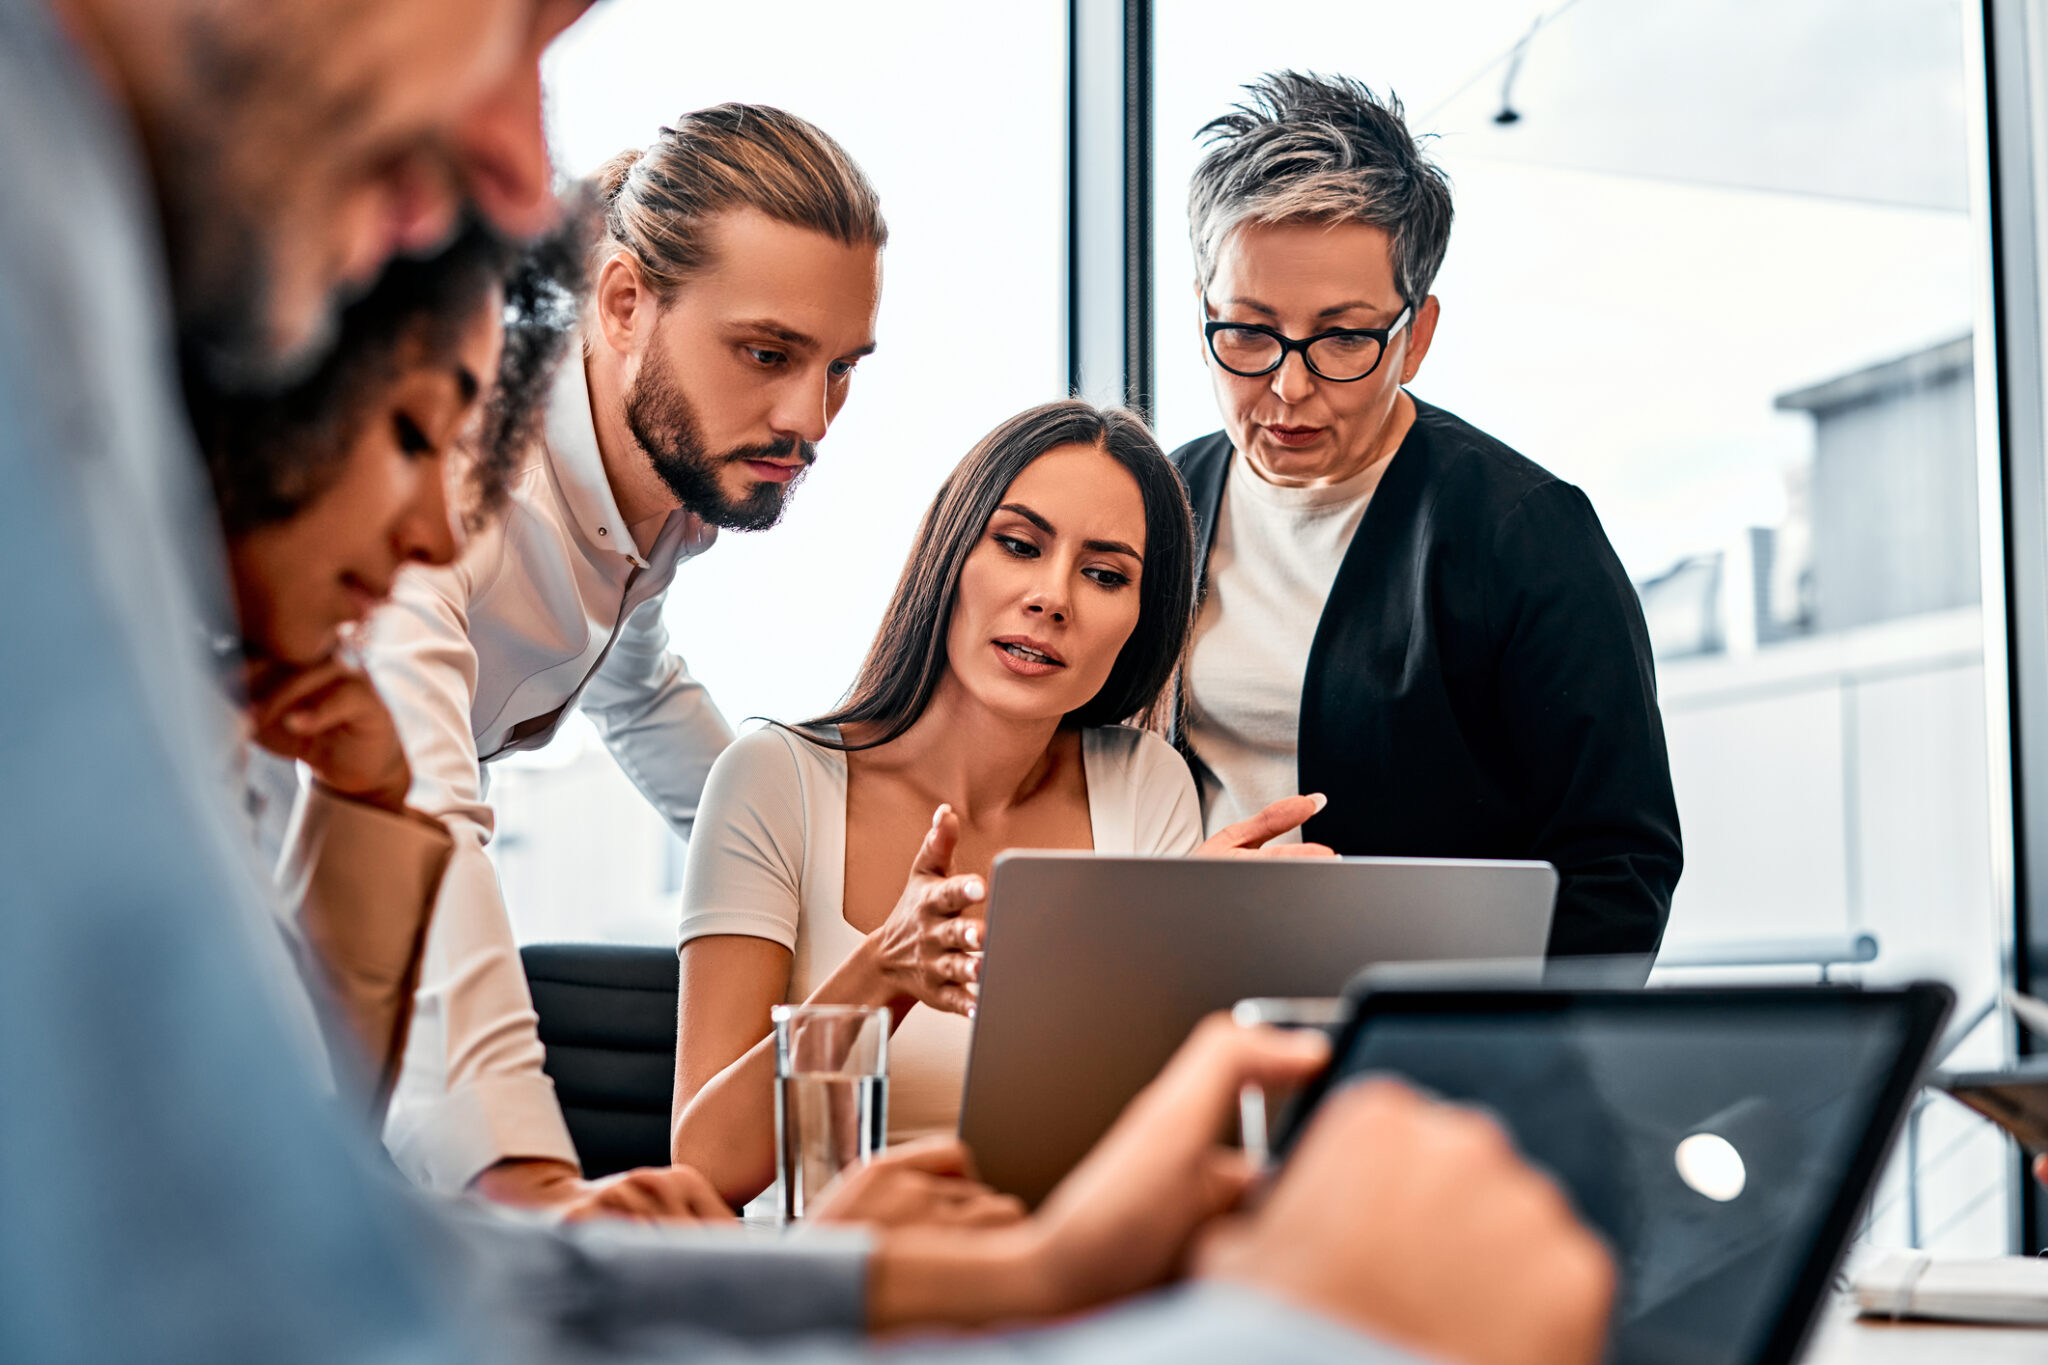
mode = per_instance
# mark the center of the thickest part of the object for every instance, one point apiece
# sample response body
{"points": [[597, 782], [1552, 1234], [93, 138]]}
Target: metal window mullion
{"points": [[1109, 201], [2012, 70], [1138, 377]]}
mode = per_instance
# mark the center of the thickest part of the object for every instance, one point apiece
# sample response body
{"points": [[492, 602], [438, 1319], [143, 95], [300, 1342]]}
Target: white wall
{"points": [[1838, 784], [581, 855]]}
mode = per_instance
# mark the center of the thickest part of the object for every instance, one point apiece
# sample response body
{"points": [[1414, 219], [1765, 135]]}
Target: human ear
{"points": [[622, 301], [1421, 332]]}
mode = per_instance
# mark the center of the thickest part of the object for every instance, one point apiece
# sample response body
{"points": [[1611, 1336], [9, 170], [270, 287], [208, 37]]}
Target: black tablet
{"points": [[1723, 1141], [2016, 1100]]}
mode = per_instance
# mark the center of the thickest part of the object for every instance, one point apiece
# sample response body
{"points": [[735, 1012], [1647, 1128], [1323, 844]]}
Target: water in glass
{"points": [[825, 1122]]}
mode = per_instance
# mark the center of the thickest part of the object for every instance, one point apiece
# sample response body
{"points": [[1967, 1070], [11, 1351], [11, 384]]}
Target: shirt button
{"points": [[601, 531]]}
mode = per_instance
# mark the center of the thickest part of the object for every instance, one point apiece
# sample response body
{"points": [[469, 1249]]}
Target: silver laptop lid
{"points": [[1098, 967]]}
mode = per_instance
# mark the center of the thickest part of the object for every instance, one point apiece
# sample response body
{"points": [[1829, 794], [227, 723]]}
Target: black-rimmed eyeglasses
{"points": [[1343, 355]]}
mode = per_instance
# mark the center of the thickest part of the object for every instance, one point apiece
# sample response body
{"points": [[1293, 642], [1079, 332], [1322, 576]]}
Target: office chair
{"points": [[608, 1020]]}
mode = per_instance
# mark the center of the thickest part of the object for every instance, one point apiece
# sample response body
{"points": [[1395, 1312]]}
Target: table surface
{"points": [[1845, 1339]]}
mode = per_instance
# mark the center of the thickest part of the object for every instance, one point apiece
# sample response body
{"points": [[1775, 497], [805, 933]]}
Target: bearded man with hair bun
{"points": [[733, 278]]}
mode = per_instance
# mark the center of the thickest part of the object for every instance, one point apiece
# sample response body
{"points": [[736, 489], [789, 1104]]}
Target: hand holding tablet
{"points": [[1417, 1221], [2016, 1099], [1722, 1142]]}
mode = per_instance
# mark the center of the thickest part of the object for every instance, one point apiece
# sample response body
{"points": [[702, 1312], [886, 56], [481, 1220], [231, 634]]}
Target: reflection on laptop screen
{"points": [[1709, 1144]]}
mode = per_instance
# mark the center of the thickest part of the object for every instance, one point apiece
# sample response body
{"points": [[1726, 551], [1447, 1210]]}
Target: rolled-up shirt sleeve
{"points": [[1206, 1322], [636, 1292], [473, 1091], [716, 1295], [1202, 1322]]}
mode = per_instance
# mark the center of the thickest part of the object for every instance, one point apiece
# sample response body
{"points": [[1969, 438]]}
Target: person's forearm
{"points": [[535, 1183], [727, 1129], [859, 981], [961, 1277]]}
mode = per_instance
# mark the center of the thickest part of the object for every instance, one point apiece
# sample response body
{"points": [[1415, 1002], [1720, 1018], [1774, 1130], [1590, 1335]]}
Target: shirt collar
{"points": [[683, 537], [579, 467]]}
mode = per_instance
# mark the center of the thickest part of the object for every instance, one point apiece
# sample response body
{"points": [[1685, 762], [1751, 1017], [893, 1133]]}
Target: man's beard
{"points": [[217, 198], [663, 422], [224, 332]]}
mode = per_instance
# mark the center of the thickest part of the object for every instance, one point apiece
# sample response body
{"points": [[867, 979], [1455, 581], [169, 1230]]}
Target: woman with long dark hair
{"points": [[1047, 599]]}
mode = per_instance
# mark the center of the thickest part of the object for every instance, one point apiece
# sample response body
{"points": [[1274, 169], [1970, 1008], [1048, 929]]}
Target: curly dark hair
{"points": [[271, 454], [544, 296]]}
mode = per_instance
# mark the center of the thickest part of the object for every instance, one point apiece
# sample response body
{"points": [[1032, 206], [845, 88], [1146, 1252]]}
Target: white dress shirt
{"points": [[553, 607]]}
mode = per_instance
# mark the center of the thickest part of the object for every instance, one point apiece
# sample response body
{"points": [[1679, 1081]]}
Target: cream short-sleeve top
{"points": [[768, 860]]}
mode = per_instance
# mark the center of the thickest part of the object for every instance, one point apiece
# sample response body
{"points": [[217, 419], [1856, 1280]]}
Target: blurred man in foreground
{"points": [[161, 1147]]}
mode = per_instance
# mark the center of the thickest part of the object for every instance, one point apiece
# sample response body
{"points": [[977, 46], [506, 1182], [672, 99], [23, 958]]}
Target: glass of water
{"points": [[831, 1095]]}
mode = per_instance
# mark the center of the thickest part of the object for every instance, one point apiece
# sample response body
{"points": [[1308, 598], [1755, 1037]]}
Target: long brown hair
{"points": [[906, 661]]}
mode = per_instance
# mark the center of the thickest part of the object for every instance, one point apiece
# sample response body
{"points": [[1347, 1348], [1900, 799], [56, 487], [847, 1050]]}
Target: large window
{"points": [[956, 112], [1719, 262], [1715, 264]]}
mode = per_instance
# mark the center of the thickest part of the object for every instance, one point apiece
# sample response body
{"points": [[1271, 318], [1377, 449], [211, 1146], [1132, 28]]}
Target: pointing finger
{"points": [[1291, 851], [1289, 812], [935, 854]]}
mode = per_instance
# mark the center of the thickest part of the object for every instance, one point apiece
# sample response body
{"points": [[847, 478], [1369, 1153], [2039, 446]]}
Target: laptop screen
{"points": [[1721, 1141]]}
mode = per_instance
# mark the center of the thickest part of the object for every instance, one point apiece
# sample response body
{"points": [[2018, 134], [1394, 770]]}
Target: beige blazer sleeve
{"points": [[360, 883]]}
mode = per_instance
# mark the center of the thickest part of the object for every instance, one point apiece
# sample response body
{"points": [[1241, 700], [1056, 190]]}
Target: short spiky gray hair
{"points": [[1320, 149]]}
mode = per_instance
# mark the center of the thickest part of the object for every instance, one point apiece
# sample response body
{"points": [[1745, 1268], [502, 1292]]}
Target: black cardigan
{"points": [[1480, 684]]}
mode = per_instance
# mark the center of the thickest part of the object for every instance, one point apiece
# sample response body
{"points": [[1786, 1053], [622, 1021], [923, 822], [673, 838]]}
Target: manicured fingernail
{"points": [[971, 1009], [937, 816], [973, 889], [1320, 799], [973, 936]]}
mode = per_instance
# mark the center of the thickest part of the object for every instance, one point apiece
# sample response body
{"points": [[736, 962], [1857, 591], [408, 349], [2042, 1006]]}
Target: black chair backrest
{"points": [[608, 1020]]}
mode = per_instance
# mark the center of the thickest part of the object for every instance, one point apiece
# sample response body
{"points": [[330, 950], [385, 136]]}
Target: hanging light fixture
{"points": [[1508, 113]]}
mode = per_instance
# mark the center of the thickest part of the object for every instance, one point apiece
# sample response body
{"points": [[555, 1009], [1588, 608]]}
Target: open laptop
{"points": [[1724, 1142], [1098, 967]]}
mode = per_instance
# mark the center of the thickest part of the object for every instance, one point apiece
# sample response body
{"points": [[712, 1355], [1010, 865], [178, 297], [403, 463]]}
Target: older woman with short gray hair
{"points": [[1398, 611]]}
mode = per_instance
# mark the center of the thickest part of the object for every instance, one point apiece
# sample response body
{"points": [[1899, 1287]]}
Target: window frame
{"points": [[1110, 359], [2012, 74]]}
